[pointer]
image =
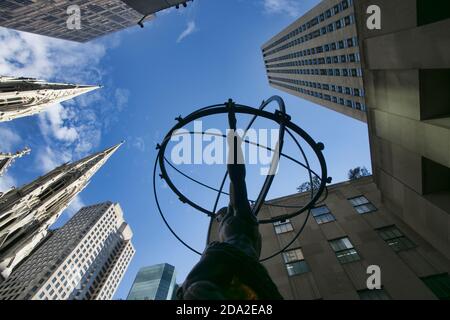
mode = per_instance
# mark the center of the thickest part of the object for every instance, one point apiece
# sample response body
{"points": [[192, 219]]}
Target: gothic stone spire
{"points": [[6, 159], [27, 212], [21, 97]]}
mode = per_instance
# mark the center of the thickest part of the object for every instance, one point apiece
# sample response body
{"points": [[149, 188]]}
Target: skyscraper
{"points": [[83, 260], [21, 97], [57, 18], [6, 159], [154, 283], [348, 232], [27, 212], [406, 78], [318, 58]]}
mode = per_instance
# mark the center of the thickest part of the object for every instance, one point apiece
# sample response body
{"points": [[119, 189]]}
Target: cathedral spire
{"points": [[21, 97], [6, 159], [27, 212]]}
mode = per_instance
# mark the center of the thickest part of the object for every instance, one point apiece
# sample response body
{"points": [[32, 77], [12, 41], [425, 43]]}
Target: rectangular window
{"points": [[367, 294], [362, 205], [345, 252], [395, 238], [283, 227], [439, 284], [322, 215], [295, 262]]}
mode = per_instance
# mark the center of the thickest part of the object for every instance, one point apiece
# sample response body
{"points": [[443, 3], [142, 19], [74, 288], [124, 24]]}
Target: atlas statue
{"points": [[231, 268]]}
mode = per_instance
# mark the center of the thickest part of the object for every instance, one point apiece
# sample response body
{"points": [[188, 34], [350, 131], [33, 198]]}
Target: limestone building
{"points": [[83, 260], [350, 231], [27, 212], [404, 80]]}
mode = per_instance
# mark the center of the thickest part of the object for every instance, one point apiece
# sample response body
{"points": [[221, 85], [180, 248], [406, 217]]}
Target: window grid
{"points": [[295, 262], [322, 215], [377, 294], [395, 239], [283, 227], [344, 250], [362, 205]]}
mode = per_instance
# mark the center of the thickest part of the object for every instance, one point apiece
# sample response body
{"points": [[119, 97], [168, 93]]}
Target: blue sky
{"points": [[181, 61]]}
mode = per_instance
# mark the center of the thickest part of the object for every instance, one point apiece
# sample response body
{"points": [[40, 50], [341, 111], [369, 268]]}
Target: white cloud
{"points": [[289, 7], [76, 204], [26, 54], [6, 182], [8, 140], [191, 28], [122, 96], [47, 158], [54, 123], [139, 144], [74, 128]]}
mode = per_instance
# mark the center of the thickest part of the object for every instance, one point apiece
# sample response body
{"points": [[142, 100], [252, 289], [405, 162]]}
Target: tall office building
{"points": [[406, 78], [157, 282], [318, 58], [27, 212], [350, 231], [21, 97], [83, 260], [6, 159], [58, 18]]}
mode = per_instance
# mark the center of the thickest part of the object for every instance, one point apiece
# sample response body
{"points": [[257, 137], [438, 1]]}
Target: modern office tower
{"points": [[6, 159], [350, 231], [83, 260], [79, 20], [21, 97], [157, 282], [27, 212], [318, 58], [406, 76]]}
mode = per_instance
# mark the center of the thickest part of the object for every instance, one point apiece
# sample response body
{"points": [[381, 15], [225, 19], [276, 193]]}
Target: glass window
{"points": [[283, 227], [395, 239], [367, 294], [344, 4], [295, 262], [439, 284], [344, 250], [362, 205], [322, 215]]}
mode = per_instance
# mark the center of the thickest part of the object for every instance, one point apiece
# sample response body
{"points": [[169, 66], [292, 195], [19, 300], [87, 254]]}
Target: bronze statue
{"points": [[230, 269]]}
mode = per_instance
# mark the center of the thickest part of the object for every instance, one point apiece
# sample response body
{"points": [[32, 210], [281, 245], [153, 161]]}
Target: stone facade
{"points": [[21, 97], [317, 271], [6, 159], [27, 212]]}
